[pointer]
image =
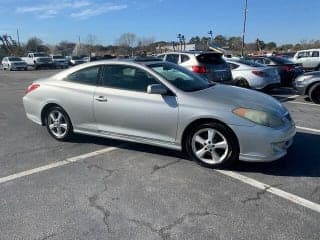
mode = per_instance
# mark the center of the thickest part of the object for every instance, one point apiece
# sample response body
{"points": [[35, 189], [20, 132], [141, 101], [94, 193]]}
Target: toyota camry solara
{"points": [[162, 104]]}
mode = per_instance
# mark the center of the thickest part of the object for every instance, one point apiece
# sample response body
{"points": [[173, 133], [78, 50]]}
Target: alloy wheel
{"points": [[210, 146], [57, 124]]}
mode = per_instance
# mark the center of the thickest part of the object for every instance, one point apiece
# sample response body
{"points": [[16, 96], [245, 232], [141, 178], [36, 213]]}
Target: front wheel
{"points": [[314, 93], [58, 123], [212, 145]]}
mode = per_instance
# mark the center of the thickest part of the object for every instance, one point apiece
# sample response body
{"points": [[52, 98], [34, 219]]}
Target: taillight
{"points": [[32, 87], [288, 68], [199, 69], [259, 73]]}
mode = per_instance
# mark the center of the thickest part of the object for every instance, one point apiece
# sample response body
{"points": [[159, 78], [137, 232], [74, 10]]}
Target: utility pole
{"points": [[180, 43], [244, 26], [18, 36], [79, 47]]}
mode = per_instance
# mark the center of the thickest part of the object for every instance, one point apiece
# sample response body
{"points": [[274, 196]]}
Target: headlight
{"points": [[259, 117]]}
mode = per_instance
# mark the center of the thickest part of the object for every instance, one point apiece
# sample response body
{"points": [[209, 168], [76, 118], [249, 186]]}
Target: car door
{"points": [[307, 63], [76, 97], [5, 62], [123, 107], [314, 59]]}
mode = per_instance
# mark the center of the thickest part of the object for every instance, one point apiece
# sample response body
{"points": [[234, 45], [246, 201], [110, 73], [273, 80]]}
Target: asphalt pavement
{"points": [[95, 188]]}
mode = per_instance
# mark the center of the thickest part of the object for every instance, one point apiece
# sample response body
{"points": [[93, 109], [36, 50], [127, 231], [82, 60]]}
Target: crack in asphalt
{"points": [[157, 167], [315, 191], [164, 232], [105, 212], [93, 200], [259, 194], [48, 236]]}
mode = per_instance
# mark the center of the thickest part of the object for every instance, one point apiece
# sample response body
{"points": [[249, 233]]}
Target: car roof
{"points": [[192, 52]]}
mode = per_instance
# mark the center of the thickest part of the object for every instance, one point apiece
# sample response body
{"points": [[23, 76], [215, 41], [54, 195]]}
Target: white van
{"points": [[310, 59]]}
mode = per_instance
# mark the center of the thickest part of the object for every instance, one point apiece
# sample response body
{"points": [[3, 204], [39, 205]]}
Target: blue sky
{"points": [[283, 21]]}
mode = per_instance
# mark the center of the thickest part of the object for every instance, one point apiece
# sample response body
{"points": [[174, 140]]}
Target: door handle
{"points": [[101, 99]]}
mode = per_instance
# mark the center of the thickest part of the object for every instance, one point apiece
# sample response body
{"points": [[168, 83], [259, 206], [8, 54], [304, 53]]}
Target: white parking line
{"points": [[308, 129], [252, 182], [276, 191], [303, 103], [56, 164], [293, 96]]}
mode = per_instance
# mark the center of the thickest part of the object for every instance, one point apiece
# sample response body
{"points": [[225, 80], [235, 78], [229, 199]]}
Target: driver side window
{"points": [[88, 76], [127, 78]]}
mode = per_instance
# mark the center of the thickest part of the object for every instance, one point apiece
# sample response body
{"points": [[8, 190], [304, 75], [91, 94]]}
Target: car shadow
{"points": [[302, 160]]}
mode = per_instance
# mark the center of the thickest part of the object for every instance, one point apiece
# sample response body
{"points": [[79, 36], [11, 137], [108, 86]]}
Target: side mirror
{"points": [[157, 89]]}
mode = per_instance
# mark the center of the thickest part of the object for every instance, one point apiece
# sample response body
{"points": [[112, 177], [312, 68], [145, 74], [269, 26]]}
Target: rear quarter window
{"points": [[215, 59]]}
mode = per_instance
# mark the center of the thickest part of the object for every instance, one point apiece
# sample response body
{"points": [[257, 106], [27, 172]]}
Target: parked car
{"points": [[249, 74], [75, 60], [310, 59], [59, 61], [287, 69], [13, 63], [309, 84], [162, 104], [38, 60], [210, 65]]}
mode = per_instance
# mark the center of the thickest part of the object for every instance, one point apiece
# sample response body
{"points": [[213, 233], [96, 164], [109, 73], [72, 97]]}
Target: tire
{"points": [[317, 68], [58, 123], [202, 148], [314, 93], [242, 83]]}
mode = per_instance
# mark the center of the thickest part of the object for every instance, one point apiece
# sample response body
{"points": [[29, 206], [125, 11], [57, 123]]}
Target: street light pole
{"points": [[211, 34], [244, 26]]}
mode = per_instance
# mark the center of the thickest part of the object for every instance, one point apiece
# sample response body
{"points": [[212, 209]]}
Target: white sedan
{"points": [[253, 75], [13, 63]]}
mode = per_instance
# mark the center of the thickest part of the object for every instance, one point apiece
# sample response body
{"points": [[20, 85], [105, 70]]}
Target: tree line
{"points": [[130, 43]]}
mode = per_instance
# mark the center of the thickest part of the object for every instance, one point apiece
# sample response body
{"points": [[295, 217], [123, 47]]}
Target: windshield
{"points": [[75, 58], [40, 55], [250, 63], [180, 77], [15, 59], [281, 60], [58, 57]]}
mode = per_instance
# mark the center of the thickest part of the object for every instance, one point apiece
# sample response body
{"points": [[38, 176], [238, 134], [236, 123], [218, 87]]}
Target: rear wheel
{"points": [[242, 83], [212, 145], [58, 123], [314, 93]]}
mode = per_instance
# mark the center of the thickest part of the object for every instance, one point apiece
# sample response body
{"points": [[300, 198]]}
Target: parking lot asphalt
{"points": [[94, 188]]}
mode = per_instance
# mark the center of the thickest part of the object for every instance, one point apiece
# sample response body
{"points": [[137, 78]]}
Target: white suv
{"points": [[310, 59], [210, 65]]}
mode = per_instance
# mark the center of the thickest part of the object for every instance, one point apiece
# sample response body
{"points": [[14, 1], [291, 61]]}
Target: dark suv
{"points": [[207, 64], [287, 69]]}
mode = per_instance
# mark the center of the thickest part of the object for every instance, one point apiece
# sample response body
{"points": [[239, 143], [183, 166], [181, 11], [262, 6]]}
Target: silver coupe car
{"points": [[162, 104]]}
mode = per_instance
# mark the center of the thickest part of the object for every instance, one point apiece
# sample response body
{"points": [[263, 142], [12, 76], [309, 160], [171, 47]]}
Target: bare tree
{"points": [[127, 40], [91, 41]]}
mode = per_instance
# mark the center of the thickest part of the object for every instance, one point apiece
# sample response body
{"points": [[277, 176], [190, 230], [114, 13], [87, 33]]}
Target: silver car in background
{"points": [[249, 74], [59, 61], [13, 63], [209, 65], [162, 104]]}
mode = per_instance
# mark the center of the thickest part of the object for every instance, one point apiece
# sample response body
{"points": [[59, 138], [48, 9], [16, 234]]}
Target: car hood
{"points": [[231, 97], [18, 62]]}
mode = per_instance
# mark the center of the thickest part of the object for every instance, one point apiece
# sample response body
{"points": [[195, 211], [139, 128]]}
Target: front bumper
{"points": [[263, 144], [300, 87], [18, 67]]}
